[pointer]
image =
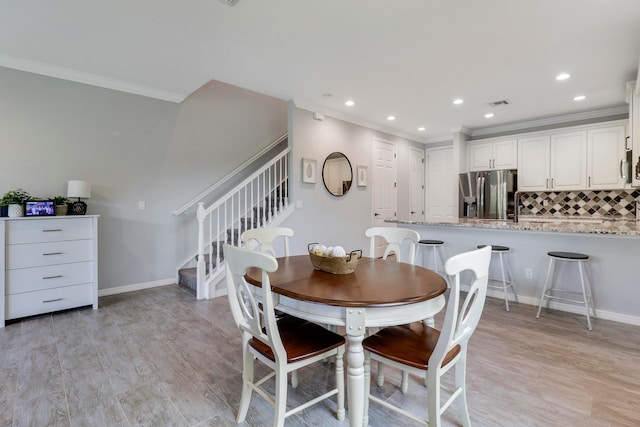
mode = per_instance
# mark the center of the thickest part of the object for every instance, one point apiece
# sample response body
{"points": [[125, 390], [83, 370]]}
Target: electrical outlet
{"points": [[528, 273]]}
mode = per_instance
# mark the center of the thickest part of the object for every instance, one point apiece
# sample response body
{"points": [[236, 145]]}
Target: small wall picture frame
{"points": [[308, 171], [362, 173]]}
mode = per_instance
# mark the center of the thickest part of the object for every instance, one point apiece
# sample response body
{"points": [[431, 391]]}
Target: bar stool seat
{"points": [[506, 281], [585, 294], [439, 258]]}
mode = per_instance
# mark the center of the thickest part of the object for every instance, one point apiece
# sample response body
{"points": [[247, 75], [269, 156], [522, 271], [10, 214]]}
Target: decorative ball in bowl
{"points": [[333, 259]]}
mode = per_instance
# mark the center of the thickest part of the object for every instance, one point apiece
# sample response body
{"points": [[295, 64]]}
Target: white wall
{"points": [[325, 218], [130, 148]]}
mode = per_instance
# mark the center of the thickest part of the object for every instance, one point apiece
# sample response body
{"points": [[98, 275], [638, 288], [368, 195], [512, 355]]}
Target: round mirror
{"points": [[337, 174]]}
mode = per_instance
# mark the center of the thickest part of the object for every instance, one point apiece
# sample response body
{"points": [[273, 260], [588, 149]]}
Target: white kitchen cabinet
{"points": [[533, 163], [553, 163], [48, 264], [633, 98], [568, 163], [605, 155], [486, 155], [584, 158]]}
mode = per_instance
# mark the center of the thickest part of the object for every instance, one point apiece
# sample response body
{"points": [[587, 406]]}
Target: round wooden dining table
{"points": [[379, 293]]}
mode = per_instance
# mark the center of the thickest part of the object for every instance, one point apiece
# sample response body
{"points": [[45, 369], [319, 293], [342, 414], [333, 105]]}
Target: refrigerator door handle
{"points": [[480, 196]]}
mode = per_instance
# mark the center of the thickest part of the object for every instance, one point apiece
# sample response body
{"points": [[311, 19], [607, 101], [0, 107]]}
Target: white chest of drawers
{"points": [[48, 264]]}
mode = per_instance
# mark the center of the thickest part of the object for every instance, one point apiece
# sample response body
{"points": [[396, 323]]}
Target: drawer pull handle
{"points": [[53, 277], [53, 253], [52, 300], [51, 230]]}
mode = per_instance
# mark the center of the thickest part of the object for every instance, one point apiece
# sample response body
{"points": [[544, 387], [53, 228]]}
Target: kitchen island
{"points": [[612, 245]]}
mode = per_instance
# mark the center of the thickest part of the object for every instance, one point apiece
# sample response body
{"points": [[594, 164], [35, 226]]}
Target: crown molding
{"points": [[309, 106], [41, 68], [550, 121], [439, 139]]}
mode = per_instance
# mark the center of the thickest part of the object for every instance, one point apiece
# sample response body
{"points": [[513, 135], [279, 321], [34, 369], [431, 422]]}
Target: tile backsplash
{"points": [[602, 203]]}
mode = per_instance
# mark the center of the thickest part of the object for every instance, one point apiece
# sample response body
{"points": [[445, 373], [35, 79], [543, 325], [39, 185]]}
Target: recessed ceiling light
{"points": [[488, 115], [391, 118], [580, 98], [421, 129], [563, 76], [349, 103], [458, 101]]}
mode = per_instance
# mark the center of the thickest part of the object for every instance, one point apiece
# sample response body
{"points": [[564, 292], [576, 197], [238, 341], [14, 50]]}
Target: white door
{"points": [[416, 185], [385, 173], [441, 184]]}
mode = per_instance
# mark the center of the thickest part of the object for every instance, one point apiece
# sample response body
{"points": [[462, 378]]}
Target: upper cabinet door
{"points": [[505, 154], [568, 161], [480, 156], [533, 163], [493, 155], [605, 156], [633, 98]]}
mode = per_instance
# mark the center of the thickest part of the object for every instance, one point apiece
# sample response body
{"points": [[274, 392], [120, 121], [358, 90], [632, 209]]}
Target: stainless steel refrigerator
{"points": [[488, 194]]}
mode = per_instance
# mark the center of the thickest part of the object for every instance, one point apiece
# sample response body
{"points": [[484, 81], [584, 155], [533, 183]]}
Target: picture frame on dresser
{"points": [[39, 208]]}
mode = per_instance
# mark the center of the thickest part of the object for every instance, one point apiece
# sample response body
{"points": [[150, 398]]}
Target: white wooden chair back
{"points": [[394, 237], [265, 236], [459, 323], [253, 320]]}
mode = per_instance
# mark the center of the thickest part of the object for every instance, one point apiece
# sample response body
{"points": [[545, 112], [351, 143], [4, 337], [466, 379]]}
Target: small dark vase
{"points": [[4, 211]]}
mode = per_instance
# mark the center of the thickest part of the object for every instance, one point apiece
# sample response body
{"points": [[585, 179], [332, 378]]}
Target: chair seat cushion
{"points": [[410, 345], [301, 339]]}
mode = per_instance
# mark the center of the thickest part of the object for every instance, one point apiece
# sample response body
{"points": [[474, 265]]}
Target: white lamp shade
{"points": [[80, 189]]}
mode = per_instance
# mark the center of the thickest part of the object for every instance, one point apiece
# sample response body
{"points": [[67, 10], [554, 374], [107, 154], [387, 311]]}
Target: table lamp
{"points": [[81, 190]]}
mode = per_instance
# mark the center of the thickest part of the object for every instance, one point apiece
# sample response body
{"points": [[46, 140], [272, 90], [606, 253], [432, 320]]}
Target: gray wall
{"points": [[130, 148], [325, 218]]}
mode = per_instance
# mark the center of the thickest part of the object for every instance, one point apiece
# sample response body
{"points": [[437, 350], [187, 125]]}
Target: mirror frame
{"points": [[331, 156]]}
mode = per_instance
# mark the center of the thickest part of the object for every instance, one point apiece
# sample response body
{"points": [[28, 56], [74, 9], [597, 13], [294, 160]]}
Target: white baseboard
{"points": [[568, 308], [135, 287]]}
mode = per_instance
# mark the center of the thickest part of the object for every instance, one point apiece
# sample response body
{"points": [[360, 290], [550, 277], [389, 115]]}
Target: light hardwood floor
{"points": [[159, 357]]}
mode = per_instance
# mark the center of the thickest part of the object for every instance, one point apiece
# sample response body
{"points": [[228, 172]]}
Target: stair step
{"points": [[188, 277]]}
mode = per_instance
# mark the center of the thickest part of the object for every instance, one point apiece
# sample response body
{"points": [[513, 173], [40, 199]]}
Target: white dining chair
{"points": [[429, 353], [283, 345], [262, 240], [264, 237], [394, 237]]}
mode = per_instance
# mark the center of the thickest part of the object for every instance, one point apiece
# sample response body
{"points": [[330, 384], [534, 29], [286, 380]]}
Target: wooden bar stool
{"points": [[439, 258], [505, 269], [551, 292]]}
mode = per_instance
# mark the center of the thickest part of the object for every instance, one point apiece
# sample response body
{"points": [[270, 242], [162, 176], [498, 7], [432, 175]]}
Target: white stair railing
{"points": [[255, 202]]}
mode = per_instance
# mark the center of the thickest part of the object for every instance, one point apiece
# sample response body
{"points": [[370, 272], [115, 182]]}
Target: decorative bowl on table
{"points": [[334, 260]]}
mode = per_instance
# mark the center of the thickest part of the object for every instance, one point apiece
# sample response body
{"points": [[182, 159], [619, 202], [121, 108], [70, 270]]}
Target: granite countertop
{"points": [[612, 226]]}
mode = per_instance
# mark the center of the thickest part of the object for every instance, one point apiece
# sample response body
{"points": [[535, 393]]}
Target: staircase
{"points": [[261, 200]]}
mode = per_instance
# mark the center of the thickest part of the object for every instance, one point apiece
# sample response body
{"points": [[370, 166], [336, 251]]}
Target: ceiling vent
{"points": [[229, 2], [499, 103]]}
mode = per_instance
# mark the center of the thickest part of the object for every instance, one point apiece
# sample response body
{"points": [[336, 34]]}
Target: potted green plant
{"points": [[61, 205], [15, 199]]}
